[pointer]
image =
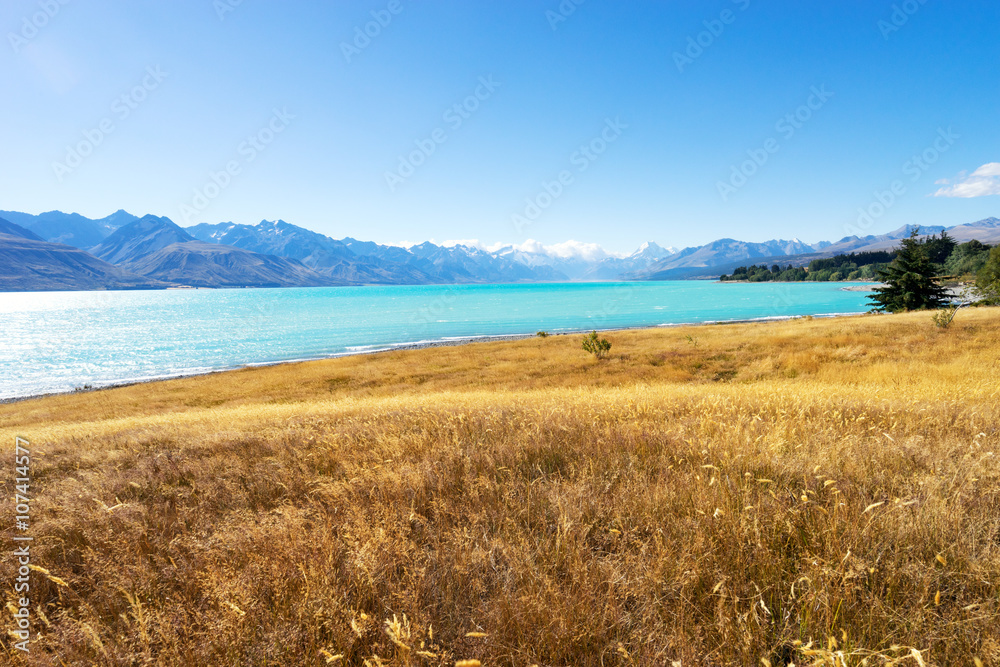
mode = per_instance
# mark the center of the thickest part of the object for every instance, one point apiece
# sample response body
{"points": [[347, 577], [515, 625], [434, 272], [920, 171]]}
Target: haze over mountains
{"points": [[64, 251]]}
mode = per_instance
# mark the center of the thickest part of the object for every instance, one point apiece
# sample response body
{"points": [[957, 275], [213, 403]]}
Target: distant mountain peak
{"points": [[653, 250], [119, 218]]}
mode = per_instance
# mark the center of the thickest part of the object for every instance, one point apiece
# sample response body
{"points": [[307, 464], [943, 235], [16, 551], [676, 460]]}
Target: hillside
{"points": [[10, 229], [465, 264], [139, 239], [276, 238], [198, 264], [355, 262], [716, 495], [330, 258], [29, 264], [34, 266]]}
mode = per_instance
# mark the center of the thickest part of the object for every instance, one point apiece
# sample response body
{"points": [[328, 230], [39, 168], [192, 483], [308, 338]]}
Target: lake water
{"points": [[58, 341]]}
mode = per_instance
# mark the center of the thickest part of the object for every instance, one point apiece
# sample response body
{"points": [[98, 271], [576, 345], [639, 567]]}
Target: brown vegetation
{"points": [[709, 495]]}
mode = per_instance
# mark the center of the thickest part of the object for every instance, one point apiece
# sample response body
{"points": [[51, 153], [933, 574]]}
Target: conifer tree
{"points": [[910, 280]]}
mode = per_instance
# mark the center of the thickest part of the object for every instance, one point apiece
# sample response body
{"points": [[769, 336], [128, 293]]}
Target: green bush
{"points": [[967, 259], [988, 278], [943, 317], [598, 347]]}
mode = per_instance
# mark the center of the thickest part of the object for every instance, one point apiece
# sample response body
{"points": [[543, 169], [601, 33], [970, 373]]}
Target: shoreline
{"points": [[396, 347]]}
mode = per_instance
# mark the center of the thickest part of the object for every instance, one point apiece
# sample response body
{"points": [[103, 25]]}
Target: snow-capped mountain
{"points": [[584, 261], [650, 250]]}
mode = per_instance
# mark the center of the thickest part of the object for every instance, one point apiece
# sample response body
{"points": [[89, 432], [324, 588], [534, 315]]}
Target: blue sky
{"points": [[604, 122]]}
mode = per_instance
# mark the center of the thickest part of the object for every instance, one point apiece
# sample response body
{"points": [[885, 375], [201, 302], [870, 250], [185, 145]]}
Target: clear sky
{"points": [[317, 123]]}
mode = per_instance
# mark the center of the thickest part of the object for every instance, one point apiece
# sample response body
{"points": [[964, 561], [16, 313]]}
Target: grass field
{"points": [[804, 491]]}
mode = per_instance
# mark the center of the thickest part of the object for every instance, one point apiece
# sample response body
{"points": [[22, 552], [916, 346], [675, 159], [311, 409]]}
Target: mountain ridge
{"points": [[138, 239], [157, 249], [70, 228]]}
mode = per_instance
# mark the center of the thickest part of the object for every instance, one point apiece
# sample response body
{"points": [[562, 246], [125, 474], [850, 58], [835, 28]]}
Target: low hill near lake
{"points": [[705, 495]]}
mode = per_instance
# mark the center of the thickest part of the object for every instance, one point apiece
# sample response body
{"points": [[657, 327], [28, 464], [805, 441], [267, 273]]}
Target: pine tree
{"points": [[910, 280], [939, 248]]}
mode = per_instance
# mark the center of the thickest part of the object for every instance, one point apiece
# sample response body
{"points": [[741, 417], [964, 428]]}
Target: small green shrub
{"points": [[598, 347], [943, 317], [542, 334]]}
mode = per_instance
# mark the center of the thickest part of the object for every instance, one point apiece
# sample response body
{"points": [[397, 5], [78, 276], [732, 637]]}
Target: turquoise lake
{"points": [[59, 341]]}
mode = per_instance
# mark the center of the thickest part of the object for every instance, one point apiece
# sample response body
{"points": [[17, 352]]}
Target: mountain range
{"points": [[65, 251]]}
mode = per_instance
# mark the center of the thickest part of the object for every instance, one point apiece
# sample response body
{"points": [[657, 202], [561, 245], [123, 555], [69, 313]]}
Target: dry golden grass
{"points": [[811, 491]]}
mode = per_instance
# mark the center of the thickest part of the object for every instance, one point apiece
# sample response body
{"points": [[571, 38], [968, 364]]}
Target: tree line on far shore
{"points": [[911, 277], [951, 259]]}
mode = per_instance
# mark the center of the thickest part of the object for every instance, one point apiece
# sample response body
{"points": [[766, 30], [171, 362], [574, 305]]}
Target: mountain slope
{"points": [[139, 239], [327, 257], [464, 264], [28, 264], [115, 221], [200, 264], [360, 262], [727, 250], [613, 268], [10, 229], [276, 238], [583, 261], [158, 248], [986, 231]]}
